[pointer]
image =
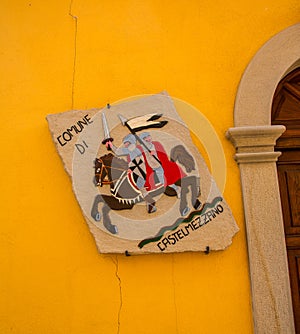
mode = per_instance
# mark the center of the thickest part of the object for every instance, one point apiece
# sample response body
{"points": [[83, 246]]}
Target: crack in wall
{"points": [[116, 262], [75, 18], [121, 296]]}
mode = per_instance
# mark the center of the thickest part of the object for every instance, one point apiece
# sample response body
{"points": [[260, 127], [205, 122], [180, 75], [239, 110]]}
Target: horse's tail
{"points": [[180, 154]]}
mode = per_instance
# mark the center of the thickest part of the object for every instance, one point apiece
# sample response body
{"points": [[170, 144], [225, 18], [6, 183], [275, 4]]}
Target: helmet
{"points": [[130, 138], [144, 135]]}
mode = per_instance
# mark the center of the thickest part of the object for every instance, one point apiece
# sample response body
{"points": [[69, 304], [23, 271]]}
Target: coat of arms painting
{"points": [[141, 182]]}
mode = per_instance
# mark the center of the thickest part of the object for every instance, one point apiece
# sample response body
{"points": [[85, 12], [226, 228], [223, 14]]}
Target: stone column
{"points": [[271, 297]]}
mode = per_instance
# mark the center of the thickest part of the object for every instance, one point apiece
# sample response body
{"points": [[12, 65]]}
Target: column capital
{"points": [[255, 143]]}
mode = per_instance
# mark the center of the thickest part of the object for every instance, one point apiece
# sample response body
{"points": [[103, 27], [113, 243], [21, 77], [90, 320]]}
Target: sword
{"points": [[107, 136]]}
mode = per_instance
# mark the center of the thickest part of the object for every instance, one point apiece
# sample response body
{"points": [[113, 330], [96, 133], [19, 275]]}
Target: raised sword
{"points": [[107, 136]]}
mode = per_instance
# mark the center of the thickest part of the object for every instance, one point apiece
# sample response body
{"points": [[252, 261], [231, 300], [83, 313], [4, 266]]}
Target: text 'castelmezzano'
{"points": [[193, 225]]}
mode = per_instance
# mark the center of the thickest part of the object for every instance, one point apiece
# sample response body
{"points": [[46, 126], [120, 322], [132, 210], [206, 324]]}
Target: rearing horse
{"points": [[113, 171]]}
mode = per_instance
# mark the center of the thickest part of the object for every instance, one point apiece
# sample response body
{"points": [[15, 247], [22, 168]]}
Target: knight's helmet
{"points": [[144, 135], [129, 138]]}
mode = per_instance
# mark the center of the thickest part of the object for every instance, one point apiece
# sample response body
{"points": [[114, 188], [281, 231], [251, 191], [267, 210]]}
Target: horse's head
{"points": [[98, 165], [108, 166], [101, 170]]}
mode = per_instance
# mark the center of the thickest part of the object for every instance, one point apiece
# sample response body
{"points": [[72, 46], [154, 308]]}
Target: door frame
{"points": [[254, 139]]}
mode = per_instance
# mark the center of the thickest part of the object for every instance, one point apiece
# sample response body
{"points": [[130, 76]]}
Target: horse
{"points": [[113, 171]]}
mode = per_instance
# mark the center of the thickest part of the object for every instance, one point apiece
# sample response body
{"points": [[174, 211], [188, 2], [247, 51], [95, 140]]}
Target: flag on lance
{"points": [[143, 122]]}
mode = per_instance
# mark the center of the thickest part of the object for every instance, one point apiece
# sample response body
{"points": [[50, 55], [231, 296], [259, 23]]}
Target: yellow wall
{"points": [[59, 55]]}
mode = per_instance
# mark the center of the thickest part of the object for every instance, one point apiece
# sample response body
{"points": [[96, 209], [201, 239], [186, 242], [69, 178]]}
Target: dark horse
{"points": [[113, 171]]}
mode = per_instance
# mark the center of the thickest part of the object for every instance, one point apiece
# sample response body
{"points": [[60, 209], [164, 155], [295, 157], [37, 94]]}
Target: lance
{"points": [[140, 123]]}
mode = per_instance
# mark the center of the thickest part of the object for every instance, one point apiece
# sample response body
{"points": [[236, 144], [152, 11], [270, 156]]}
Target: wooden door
{"points": [[286, 111]]}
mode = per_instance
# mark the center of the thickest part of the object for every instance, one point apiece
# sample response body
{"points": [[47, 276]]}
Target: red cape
{"points": [[172, 171]]}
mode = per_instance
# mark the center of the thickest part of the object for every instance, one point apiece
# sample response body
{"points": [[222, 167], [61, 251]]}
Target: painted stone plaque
{"points": [[141, 183]]}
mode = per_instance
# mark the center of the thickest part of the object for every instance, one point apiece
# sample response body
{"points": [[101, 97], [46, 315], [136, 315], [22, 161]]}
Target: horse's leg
{"points": [[150, 202], [95, 212], [183, 206], [105, 212], [106, 220], [111, 203], [195, 190], [186, 182]]}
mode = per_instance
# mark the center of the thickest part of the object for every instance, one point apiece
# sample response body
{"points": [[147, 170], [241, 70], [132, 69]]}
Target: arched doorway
{"points": [[254, 139], [286, 111]]}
